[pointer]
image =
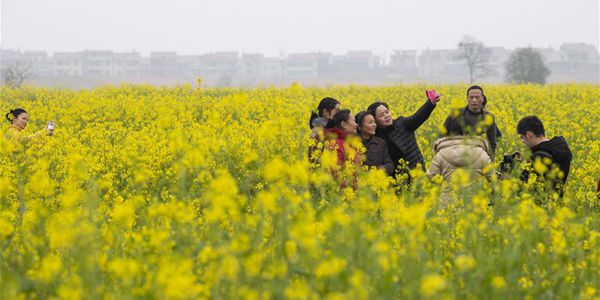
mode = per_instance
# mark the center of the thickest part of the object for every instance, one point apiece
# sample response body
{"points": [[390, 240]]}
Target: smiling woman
{"points": [[19, 119], [399, 134], [376, 150]]}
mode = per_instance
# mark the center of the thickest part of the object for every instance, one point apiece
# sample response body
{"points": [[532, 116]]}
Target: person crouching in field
{"points": [[469, 153], [550, 158], [19, 118], [376, 150], [320, 119], [399, 133], [475, 119]]}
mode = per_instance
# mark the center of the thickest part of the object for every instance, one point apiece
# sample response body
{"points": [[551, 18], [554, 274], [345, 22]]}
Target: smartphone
{"points": [[50, 125], [431, 94]]}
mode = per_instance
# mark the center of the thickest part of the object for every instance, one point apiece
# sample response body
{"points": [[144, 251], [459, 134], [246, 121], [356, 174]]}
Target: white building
{"points": [[306, 65], [68, 63], [404, 63], [127, 64], [97, 63]]}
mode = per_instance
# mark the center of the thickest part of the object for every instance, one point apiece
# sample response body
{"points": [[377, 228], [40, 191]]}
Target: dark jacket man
{"points": [[467, 123], [551, 158]]}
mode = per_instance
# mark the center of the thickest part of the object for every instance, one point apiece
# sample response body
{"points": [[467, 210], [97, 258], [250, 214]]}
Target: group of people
{"points": [[386, 140], [469, 143], [390, 143]]}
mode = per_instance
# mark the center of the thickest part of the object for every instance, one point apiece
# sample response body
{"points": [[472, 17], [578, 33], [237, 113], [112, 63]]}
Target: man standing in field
{"points": [[474, 119], [551, 158]]}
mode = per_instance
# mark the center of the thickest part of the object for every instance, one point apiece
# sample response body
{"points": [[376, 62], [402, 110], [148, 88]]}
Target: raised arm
{"points": [[417, 119]]}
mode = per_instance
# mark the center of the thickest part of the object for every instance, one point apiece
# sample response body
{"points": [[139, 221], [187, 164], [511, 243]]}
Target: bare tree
{"points": [[476, 56], [15, 72]]}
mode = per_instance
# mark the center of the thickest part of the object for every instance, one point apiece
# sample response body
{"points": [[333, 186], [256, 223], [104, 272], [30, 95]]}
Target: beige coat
{"points": [[469, 153]]}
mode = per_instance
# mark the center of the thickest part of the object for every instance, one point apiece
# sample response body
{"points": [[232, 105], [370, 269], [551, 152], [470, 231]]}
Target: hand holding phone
{"points": [[433, 96], [50, 127]]}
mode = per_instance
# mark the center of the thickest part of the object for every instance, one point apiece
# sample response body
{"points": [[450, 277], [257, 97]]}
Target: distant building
{"points": [[357, 60], [571, 62], [84, 64], [272, 69], [97, 63], [257, 69], [42, 64], [307, 65], [219, 67], [163, 63], [442, 66], [127, 64], [580, 61], [68, 63], [404, 62]]}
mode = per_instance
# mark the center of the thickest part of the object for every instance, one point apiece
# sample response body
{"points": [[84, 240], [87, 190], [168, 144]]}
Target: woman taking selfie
{"points": [[399, 133], [19, 119]]}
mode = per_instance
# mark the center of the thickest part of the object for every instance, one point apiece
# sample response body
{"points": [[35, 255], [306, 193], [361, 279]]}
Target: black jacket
{"points": [[557, 150], [400, 136], [467, 123], [377, 155]]}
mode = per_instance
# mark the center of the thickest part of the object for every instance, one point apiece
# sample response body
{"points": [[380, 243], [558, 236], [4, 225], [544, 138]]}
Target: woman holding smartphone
{"points": [[399, 133], [19, 119]]}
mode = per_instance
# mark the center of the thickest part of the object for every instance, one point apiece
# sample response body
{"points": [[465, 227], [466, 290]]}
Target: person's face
{"points": [[350, 126], [368, 125], [328, 114], [527, 139], [383, 118], [475, 100], [21, 120]]}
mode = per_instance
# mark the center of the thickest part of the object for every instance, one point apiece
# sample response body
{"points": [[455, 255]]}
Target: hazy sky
{"points": [[280, 26]]}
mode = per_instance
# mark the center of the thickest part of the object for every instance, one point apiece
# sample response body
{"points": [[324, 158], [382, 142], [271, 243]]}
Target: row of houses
{"points": [[570, 62]]}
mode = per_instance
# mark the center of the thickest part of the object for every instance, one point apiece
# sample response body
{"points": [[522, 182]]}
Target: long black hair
{"points": [[372, 109], [326, 103], [14, 113], [342, 116]]}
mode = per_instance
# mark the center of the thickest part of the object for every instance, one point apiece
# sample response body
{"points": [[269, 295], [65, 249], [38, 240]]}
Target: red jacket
{"points": [[337, 136], [337, 140]]}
